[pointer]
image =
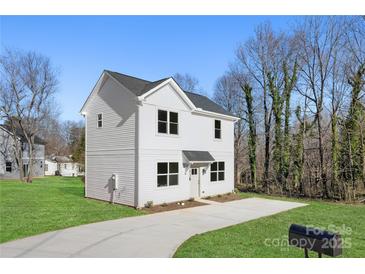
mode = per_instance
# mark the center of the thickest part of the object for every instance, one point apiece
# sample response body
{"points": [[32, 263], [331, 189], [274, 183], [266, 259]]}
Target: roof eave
{"points": [[216, 114], [170, 80]]}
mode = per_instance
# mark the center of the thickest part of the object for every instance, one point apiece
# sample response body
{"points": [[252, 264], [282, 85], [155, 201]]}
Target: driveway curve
{"points": [[154, 235]]}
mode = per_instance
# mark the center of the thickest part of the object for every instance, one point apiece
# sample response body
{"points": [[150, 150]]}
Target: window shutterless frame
{"points": [[217, 170], [217, 129], [167, 174], [99, 120], [167, 122]]}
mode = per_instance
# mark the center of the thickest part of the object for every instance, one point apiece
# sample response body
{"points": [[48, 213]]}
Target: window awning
{"points": [[195, 156]]}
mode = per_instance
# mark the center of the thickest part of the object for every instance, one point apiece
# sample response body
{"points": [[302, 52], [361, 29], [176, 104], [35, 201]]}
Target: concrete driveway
{"points": [[154, 235]]}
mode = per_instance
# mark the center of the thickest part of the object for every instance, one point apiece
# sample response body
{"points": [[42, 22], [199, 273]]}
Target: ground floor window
{"points": [[46, 167], [8, 166], [217, 171], [167, 174]]}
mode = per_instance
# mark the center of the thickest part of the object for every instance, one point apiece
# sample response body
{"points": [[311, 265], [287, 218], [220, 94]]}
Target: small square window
{"points": [[167, 174], [217, 170], [168, 122]]}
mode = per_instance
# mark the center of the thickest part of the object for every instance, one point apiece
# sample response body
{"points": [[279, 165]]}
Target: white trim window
{"points": [[167, 122], [99, 122], [217, 129], [8, 166], [217, 170], [167, 174]]}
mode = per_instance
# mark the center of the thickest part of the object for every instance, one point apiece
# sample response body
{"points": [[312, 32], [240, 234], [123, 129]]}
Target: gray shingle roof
{"points": [[198, 156], [205, 103], [136, 85], [19, 133], [140, 86]]}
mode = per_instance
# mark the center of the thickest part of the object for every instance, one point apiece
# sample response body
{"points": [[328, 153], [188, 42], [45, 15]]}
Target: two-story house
{"points": [[9, 168], [153, 141]]}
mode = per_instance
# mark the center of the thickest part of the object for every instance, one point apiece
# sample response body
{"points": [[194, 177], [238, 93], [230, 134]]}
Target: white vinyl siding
{"points": [[195, 133], [112, 149], [131, 146]]}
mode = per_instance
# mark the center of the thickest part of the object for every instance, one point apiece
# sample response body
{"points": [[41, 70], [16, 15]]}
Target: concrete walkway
{"points": [[154, 235]]}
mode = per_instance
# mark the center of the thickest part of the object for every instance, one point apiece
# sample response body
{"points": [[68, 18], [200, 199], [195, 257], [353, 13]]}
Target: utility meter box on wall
{"points": [[115, 181]]}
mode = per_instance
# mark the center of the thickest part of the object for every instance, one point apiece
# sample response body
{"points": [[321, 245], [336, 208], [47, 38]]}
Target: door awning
{"points": [[195, 156]]}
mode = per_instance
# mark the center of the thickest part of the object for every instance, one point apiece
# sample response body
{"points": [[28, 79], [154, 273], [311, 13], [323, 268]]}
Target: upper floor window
{"points": [[217, 171], [167, 174], [217, 129], [100, 120], [8, 167], [168, 122]]}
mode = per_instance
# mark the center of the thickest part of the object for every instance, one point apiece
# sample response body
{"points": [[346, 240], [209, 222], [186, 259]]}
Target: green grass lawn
{"points": [[48, 204], [267, 237]]}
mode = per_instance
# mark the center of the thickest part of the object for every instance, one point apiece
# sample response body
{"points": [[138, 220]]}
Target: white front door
{"points": [[194, 182]]}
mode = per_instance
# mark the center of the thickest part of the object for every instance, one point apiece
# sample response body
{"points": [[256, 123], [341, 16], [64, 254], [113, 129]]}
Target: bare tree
{"points": [[320, 37], [188, 83], [53, 133], [27, 88], [228, 94], [254, 58]]}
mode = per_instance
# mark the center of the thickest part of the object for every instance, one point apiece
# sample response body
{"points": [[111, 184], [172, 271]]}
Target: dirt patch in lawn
{"points": [[172, 206], [225, 197]]}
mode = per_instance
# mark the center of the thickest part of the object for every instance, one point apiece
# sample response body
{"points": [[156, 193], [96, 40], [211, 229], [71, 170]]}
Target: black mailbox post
{"points": [[314, 239]]}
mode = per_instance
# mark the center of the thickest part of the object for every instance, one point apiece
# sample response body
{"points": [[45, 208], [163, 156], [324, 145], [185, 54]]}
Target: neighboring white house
{"points": [[152, 141], [9, 168], [64, 166], [50, 167]]}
